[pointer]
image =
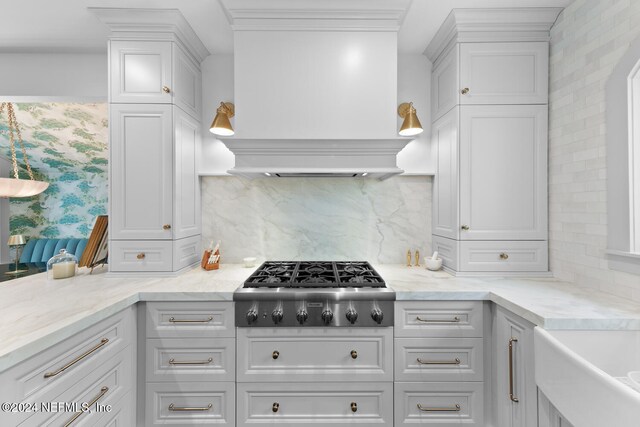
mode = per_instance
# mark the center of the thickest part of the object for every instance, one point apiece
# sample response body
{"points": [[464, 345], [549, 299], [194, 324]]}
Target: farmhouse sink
{"points": [[584, 375]]}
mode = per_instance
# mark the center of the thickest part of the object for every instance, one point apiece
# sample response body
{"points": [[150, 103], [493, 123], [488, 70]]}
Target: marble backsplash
{"points": [[318, 218]]}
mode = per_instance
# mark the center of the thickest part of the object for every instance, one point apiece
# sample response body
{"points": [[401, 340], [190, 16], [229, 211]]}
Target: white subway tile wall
{"points": [[587, 42]]}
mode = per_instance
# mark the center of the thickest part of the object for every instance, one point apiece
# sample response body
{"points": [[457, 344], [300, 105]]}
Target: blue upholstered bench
{"points": [[41, 250]]}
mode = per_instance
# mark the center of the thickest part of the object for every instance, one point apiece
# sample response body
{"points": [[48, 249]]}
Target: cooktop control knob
{"points": [[327, 316], [252, 315], [376, 315], [276, 315], [352, 315], [302, 316]]}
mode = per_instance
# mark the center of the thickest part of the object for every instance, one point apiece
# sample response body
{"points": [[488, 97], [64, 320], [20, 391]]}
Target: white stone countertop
{"points": [[36, 313]]}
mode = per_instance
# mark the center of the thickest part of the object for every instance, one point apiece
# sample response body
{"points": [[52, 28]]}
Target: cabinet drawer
{"points": [[438, 359], [315, 354], [32, 380], [190, 319], [319, 404], [179, 404], [191, 359], [503, 256], [439, 319], [121, 415], [439, 404], [136, 255]]}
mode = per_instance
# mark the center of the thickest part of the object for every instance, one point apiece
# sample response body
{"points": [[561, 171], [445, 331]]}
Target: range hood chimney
{"points": [[315, 87]]}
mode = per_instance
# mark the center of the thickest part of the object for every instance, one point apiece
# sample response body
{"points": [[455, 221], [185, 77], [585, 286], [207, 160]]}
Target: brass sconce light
{"points": [[221, 125], [411, 125]]}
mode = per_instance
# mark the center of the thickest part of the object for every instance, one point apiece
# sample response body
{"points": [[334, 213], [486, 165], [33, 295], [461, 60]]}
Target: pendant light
{"points": [[411, 125], [221, 125], [16, 187]]}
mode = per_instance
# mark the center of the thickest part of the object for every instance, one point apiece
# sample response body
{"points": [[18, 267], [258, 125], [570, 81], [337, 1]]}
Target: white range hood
{"points": [[315, 87]]}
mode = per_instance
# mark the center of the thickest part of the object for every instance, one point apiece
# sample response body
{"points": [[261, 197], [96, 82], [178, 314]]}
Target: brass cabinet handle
{"points": [[454, 320], [141, 255], [456, 361], [504, 256], [175, 408], [174, 320], [275, 354], [190, 362], [102, 343], [465, 227], [464, 91], [354, 407], [511, 395], [354, 354], [166, 89], [275, 406], [92, 402], [166, 227], [456, 408]]}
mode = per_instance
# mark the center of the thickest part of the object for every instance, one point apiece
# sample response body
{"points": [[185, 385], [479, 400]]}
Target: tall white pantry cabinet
{"points": [[154, 121], [489, 105]]}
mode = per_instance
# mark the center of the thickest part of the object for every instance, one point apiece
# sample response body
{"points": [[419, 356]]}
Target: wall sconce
{"points": [[411, 125], [221, 125]]}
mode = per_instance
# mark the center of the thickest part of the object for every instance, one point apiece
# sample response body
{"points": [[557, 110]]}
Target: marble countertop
{"points": [[36, 313]]}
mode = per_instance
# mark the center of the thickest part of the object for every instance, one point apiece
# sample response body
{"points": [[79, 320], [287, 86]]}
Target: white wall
{"points": [[587, 42], [53, 77]]}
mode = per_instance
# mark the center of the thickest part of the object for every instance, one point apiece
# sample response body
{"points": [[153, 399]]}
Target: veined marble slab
{"points": [[36, 313]]}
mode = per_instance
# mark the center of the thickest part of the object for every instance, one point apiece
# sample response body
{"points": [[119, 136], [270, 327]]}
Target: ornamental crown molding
{"points": [[152, 24], [492, 25], [311, 15]]}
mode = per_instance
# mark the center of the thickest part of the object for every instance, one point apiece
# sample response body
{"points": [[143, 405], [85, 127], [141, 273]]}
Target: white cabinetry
{"points": [[548, 415]]}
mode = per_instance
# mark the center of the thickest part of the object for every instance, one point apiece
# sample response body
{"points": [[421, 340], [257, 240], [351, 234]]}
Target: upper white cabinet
{"points": [[186, 184], [444, 137]]}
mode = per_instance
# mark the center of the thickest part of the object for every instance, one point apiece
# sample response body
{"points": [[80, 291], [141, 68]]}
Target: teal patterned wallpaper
{"points": [[67, 146]]}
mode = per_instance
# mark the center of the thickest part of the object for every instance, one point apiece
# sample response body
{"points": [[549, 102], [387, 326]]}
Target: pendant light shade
{"points": [[16, 187], [221, 125], [411, 125]]}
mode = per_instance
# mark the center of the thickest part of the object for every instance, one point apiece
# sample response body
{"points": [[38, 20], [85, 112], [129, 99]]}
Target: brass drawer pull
{"points": [[456, 408], [454, 320], [275, 407], [141, 255], [511, 395], [103, 342], [354, 354], [174, 320], [175, 408], [456, 361], [93, 401], [464, 91], [354, 407], [166, 89], [504, 256], [166, 227], [275, 354], [190, 362]]}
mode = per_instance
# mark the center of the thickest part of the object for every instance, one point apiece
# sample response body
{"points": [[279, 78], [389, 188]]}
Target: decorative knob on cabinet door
{"points": [[465, 227], [504, 256], [141, 255], [166, 89], [354, 407], [166, 227], [275, 407], [354, 354], [464, 91], [275, 354]]}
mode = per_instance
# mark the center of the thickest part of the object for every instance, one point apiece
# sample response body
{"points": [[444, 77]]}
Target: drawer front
{"points": [[190, 319], [150, 255], [504, 256], [121, 415], [42, 377], [180, 404], [438, 359], [315, 354], [455, 319], [105, 386], [319, 404], [439, 404], [191, 359]]}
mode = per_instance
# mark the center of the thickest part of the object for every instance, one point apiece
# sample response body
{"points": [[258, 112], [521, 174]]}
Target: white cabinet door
{"points": [[187, 184], [515, 388], [444, 136], [187, 88], [548, 415], [503, 172], [141, 171], [444, 83], [140, 72], [504, 73]]}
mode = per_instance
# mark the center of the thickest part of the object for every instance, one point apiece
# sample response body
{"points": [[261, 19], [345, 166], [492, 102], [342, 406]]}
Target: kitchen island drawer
{"points": [[455, 319], [191, 359], [190, 403], [439, 404], [315, 354], [190, 319], [318, 404], [439, 359]]}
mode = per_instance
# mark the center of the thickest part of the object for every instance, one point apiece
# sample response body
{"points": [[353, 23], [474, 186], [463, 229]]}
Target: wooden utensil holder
{"points": [[205, 261]]}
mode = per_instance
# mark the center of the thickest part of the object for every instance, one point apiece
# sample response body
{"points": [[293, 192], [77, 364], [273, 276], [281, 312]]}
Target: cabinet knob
{"points": [[275, 407], [465, 227], [275, 354], [166, 227], [504, 256], [354, 354], [464, 91], [141, 255], [354, 407], [166, 89]]}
